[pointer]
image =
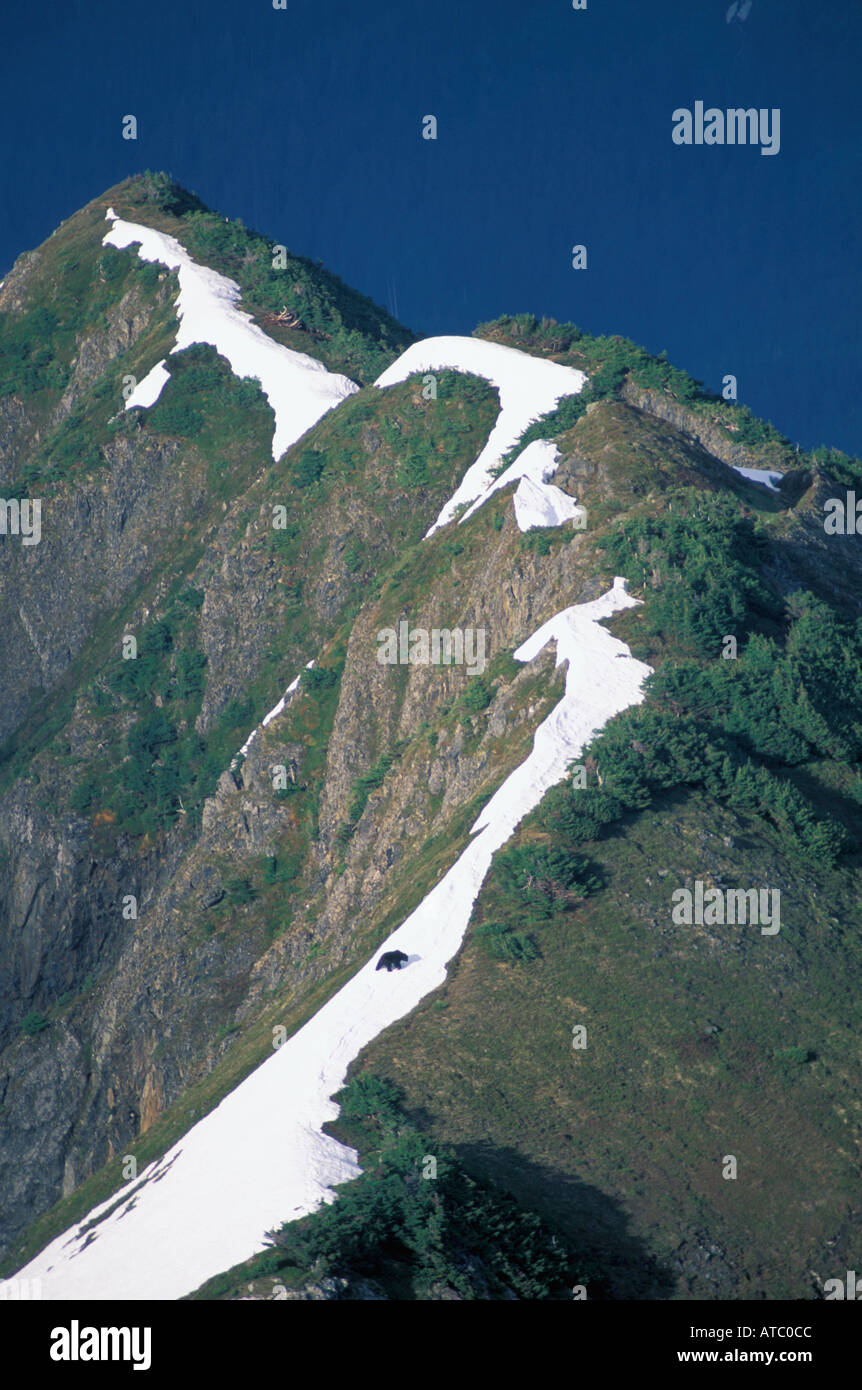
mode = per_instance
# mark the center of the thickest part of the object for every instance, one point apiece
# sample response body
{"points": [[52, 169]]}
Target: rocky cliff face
{"points": [[101, 535], [707, 432]]}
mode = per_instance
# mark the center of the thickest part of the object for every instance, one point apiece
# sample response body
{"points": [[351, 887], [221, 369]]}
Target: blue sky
{"points": [[554, 128]]}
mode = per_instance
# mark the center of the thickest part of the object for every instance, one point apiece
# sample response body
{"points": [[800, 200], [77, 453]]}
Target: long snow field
{"points": [[260, 1158]]}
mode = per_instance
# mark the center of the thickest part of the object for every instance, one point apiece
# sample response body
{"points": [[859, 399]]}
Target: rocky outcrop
{"points": [[125, 323], [706, 432]]}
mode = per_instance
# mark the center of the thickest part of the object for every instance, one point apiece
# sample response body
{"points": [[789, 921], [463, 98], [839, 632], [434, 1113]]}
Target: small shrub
{"points": [[34, 1024], [502, 943], [315, 678], [240, 890], [542, 879], [354, 554], [478, 695], [308, 468], [412, 472], [793, 1056], [537, 540], [369, 1098]]}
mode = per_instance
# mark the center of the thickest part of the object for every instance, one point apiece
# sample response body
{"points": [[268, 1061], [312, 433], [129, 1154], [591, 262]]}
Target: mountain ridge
{"points": [[229, 595]]}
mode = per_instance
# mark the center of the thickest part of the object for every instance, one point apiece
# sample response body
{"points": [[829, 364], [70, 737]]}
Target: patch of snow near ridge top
{"points": [[538, 462], [528, 386], [542, 504], [760, 475], [299, 388], [260, 1159], [537, 502]]}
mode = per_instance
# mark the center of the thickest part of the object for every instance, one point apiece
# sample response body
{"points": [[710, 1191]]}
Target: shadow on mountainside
{"points": [[596, 1227]]}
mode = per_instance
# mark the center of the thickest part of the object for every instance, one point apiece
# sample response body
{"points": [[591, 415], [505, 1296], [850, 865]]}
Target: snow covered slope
{"points": [[528, 386], [299, 388], [260, 1157]]}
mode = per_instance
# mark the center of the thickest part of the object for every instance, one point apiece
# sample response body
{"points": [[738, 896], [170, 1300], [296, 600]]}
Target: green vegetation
{"points": [[537, 541], [501, 942], [607, 361], [612, 361], [342, 327], [648, 750], [239, 891], [729, 726], [726, 725], [37, 346], [581, 813], [318, 678], [33, 1024], [365, 784], [543, 881], [281, 868], [611, 356], [160, 190], [355, 556], [477, 695], [161, 768], [201, 389], [416, 1223], [27, 361], [308, 468], [793, 1056], [698, 561], [154, 766]]}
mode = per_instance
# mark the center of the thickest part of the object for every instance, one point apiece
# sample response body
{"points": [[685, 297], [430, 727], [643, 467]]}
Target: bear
{"points": [[392, 960]]}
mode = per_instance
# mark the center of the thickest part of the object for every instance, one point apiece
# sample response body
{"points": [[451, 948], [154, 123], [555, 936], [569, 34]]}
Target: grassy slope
{"points": [[620, 1146], [626, 1139], [641, 1119]]}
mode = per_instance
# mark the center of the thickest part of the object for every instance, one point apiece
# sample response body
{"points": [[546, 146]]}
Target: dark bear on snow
{"points": [[391, 960]]}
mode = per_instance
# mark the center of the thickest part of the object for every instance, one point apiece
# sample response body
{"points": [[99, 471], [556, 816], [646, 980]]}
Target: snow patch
{"points": [[761, 475], [147, 392], [298, 387], [542, 504], [260, 1158], [538, 462], [277, 709], [537, 503], [529, 387]]}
